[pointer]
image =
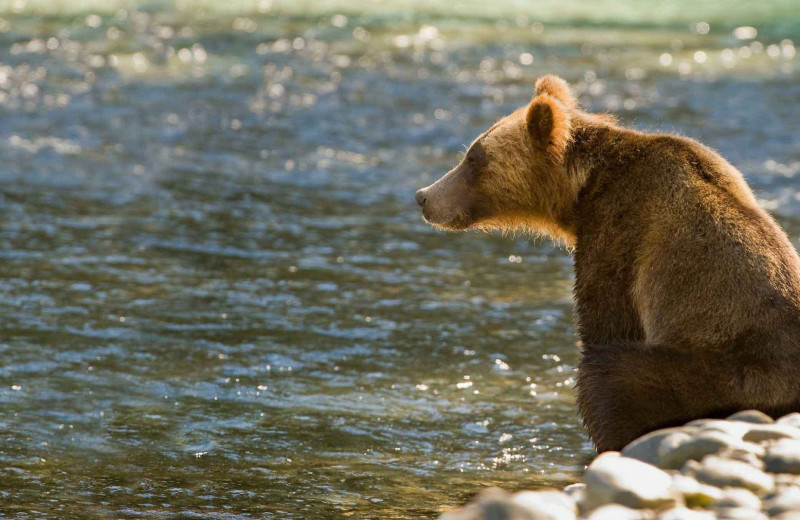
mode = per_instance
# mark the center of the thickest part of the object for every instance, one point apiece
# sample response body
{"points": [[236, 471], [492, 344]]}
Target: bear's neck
{"points": [[591, 146], [592, 151], [595, 146]]}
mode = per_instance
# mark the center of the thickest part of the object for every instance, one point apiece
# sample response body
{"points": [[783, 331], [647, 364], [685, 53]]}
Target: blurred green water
{"points": [[218, 296], [570, 11]]}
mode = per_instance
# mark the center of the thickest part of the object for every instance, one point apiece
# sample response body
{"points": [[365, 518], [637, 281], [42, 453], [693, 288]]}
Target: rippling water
{"points": [[218, 298]]}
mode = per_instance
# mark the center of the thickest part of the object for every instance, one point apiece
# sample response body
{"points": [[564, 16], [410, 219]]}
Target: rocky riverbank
{"points": [[745, 467]]}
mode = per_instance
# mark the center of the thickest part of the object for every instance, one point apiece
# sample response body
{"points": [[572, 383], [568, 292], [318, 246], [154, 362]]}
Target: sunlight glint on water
{"points": [[218, 296]]}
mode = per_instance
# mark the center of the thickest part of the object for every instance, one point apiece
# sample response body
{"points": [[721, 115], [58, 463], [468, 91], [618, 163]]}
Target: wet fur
{"points": [[686, 292]]}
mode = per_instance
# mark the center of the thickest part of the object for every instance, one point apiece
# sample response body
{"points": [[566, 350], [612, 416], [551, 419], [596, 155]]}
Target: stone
{"points": [[745, 452], [611, 478], [554, 505], [694, 493], [792, 420], [691, 468], [682, 513], [769, 432], [697, 423], [576, 491], [738, 498], [739, 513], [720, 472], [697, 447], [783, 457], [751, 416], [785, 480], [496, 504], [788, 515], [786, 500], [649, 447], [734, 428], [618, 512]]}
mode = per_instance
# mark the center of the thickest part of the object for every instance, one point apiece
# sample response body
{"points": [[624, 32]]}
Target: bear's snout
{"points": [[445, 203], [420, 197]]}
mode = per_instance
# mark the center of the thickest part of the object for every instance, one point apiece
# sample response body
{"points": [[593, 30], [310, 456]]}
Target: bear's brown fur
{"points": [[687, 292]]}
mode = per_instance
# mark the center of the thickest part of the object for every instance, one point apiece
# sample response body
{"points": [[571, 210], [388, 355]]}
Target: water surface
{"points": [[218, 297]]}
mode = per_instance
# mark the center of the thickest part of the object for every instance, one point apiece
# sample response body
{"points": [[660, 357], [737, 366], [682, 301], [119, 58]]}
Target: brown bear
{"points": [[687, 293]]}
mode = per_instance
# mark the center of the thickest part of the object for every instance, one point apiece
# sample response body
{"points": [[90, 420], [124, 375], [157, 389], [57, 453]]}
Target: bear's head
{"points": [[516, 175]]}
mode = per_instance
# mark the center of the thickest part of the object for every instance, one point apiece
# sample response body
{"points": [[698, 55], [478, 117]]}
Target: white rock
{"points": [[576, 491], [691, 468], [786, 480], [734, 428], [748, 453], [547, 505], [783, 457], [786, 500], [738, 497], [682, 513], [739, 513], [697, 447], [496, 504], [751, 416], [618, 512], [720, 472], [699, 422], [694, 493], [612, 478], [769, 432], [793, 420], [650, 448]]}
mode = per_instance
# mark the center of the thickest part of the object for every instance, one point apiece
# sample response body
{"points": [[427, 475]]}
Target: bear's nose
{"points": [[420, 196]]}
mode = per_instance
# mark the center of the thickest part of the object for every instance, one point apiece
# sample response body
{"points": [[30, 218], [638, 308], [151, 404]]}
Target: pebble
{"points": [[769, 432], [554, 505], [786, 500], [612, 478], [649, 448], [783, 457], [751, 416], [739, 513], [746, 467], [496, 504], [786, 480], [793, 420], [749, 453], [738, 497], [682, 513], [720, 472], [734, 428], [576, 491], [695, 448], [694, 493], [618, 512]]}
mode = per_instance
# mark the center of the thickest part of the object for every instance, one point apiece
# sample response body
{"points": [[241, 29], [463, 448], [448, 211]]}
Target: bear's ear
{"points": [[557, 88], [549, 125]]}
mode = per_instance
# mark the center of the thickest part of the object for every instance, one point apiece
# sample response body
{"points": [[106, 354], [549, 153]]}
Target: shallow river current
{"points": [[217, 295]]}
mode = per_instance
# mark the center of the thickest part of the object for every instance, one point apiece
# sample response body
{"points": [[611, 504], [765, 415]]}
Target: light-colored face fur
{"points": [[514, 175]]}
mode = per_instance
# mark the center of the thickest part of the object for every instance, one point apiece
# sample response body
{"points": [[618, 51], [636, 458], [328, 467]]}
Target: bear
{"points": [[686, 292]]}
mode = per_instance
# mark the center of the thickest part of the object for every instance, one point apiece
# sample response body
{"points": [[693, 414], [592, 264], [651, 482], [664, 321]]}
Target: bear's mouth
{"points": [[461, 222]]}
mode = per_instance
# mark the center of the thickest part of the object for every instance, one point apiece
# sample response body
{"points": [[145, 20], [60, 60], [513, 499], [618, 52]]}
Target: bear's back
{"points": [[671, 237]]}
